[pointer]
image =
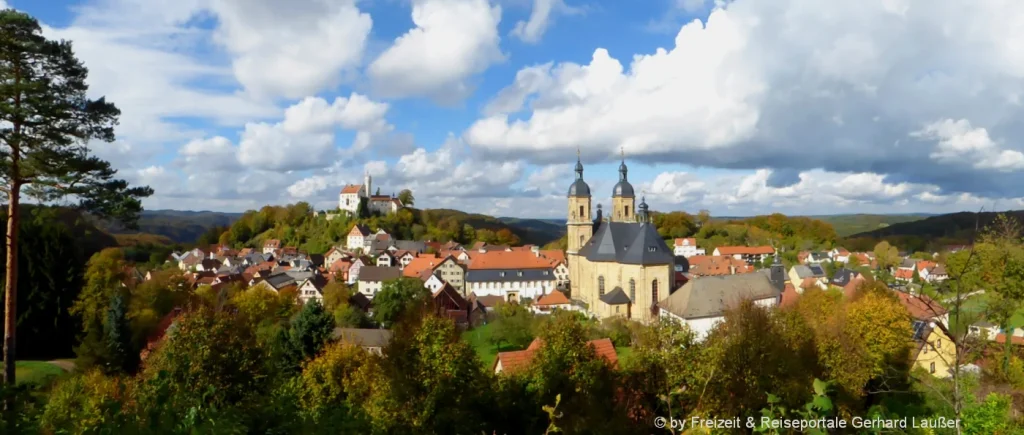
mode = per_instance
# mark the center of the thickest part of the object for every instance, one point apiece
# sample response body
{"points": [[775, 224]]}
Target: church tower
{"points": [[580, 227], [623, 199], [366, 182]]}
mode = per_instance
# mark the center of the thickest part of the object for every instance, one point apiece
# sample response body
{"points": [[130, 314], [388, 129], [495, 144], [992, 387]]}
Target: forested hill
{"points": [[181, 226], [953, 226]]}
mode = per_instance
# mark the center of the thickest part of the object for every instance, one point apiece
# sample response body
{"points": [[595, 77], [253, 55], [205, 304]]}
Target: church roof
{"points": [[627, 243], [616, 297]]}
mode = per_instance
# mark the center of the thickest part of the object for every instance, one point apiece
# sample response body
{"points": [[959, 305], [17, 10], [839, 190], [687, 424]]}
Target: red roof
{"points": [[789, 295], [921, 307], [272, 243], [554, 298], [351, 188], [925, 264], [507, 260], [905, 274], [515, 360], [717, 265], [1001, 339], [745, 250], [686, 241]]}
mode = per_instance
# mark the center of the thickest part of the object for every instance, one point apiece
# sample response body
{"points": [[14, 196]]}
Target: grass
{"points": [[625, 353], [480, 339], [36, 372], [974, 310]]}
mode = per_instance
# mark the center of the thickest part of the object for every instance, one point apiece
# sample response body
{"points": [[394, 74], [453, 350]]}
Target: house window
{"points": [[632, 290], [931, 368], [938, 344], [600, 286], [616, 309], [654, 291]]}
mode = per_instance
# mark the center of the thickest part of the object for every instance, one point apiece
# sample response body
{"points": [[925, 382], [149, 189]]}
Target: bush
{"points": [[86, 403]]}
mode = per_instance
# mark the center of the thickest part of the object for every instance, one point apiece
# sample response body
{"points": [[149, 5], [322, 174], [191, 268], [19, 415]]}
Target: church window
{"points": [[654, 291], [625, 210], [632, 290], [581, 212], [600, 286], [581, 241]]}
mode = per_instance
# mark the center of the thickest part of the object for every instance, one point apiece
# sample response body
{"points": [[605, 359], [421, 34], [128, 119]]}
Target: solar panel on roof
{"points": [[817, 270]]}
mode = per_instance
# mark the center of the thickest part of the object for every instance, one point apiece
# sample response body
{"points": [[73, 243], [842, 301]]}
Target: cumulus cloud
{"points": [[305, 138], [291, 48], [849, 87], [453, 41]]}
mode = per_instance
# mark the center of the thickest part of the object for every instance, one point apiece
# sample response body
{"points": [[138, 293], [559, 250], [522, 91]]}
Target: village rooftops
{"points": [[375, 273], [745, 250], [627, 243], [712, 296]]}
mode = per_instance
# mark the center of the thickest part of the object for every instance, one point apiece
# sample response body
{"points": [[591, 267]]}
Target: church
{"points": [[618, 266]]}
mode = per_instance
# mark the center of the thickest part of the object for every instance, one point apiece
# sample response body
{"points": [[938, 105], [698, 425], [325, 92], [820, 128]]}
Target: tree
{"points": [[513, 327], [103, 279], [311, 329], [363, 211], [406, 197], [123, 357], [887, 256], [336, 294], [398, 297], [48, 123], [703, 217]]}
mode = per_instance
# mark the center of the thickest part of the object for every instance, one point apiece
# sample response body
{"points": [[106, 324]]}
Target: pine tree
{"points": [[48, 121], [122, 357], [311, 329], [363, 211]]}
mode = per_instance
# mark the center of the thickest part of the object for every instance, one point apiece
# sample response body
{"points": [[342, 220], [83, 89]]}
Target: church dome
{"points": [[623, 189], [579, 188]]}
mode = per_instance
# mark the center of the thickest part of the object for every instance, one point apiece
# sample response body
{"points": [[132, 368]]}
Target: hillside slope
{"points": [[848, 224], [955, 226], [180, 226]]}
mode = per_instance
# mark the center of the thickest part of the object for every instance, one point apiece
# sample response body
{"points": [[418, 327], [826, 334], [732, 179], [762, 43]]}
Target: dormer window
{"points": [[652, 249], [520, 273], [502, 274]]}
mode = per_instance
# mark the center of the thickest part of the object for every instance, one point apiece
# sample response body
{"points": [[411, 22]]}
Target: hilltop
{"points": [[933, 232], [849, 224]]}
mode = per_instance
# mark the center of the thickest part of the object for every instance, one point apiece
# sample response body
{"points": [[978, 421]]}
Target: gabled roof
{"points": [[448, 292], [904, 273], [627, 243], [908, 263], [351, 188], [363, 230], [505, 260], [843, 276], [712, 296], [921, 307], [812, 270], [688, 241], [554, 298]]}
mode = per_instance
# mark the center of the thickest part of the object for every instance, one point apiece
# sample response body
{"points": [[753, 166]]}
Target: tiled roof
{"points": [[351, 188], [905, 273], [489, 301], [374, 273], [712, 265], [507, 260], [789, 295], [272, 243], [1001, 339], [925, 264], [554, 298], [745, 250], [711, 296], [555, 255], [519, 359], [920, 307], [690, 241], [627, 243], [418, 265]]}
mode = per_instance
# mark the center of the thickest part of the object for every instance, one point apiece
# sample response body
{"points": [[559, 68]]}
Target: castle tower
{"points": [[367, 180], [580, 227], [623, 199]]}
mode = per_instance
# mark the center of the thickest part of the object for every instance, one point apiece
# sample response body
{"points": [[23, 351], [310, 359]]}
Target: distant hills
{"points": [[954, 226], [176, 225], [850, 224]]}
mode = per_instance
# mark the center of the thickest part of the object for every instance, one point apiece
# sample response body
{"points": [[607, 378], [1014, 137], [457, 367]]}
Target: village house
{"points": [[905, 271], [356, 267], [711, 265], [701, 303], [934, 352], [445, 269], [352, 194], [515, 361], [808, 276], [334, 254], [555, 300], [371, 279], [687, 247], [312, 288], [751, 254], [271, 246], [385, 259], [357, 237], [839, 255]]}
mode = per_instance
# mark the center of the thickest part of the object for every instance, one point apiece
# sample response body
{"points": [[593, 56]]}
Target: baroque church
{"points": [[618, 266]]}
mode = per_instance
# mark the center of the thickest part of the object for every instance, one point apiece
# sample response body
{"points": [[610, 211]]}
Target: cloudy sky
{"points": [[740, 107]]}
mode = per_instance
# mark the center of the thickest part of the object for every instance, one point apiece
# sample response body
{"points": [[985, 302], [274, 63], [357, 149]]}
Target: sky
{"points": [[740, 107]]}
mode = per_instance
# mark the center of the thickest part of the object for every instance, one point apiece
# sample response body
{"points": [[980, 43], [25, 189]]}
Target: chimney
{"points": [[732, 269], [778, 274], [535, 249]]}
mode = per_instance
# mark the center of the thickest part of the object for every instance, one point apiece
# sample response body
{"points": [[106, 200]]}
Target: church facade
{"points": [[619, 266]]}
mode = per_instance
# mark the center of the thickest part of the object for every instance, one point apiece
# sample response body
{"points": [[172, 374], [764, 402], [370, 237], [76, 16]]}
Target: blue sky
{"points": [[739, 107]]}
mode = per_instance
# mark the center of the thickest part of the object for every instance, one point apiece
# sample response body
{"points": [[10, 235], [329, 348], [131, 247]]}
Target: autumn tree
{"points": [[886, 255], [49, 121], [514, 327], [103, 281], [325, 383]]}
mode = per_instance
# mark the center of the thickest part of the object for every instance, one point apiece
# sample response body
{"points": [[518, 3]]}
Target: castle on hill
{"points": [[352, 194], [620, 266]]}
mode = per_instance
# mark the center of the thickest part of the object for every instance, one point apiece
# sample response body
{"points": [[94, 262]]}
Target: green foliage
{"points": [[324, 388], [104, 278], [311, 329], [398, 298], [989, 417], [406, 197], [820, 406], [122, 354], [514, 327], [86, 403]]}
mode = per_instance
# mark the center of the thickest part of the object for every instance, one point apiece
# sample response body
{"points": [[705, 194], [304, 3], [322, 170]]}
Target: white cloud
{"points": [[958, 143], [541, 16], [305, 138], [453, 40], [799, 84], [291, 48]]}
